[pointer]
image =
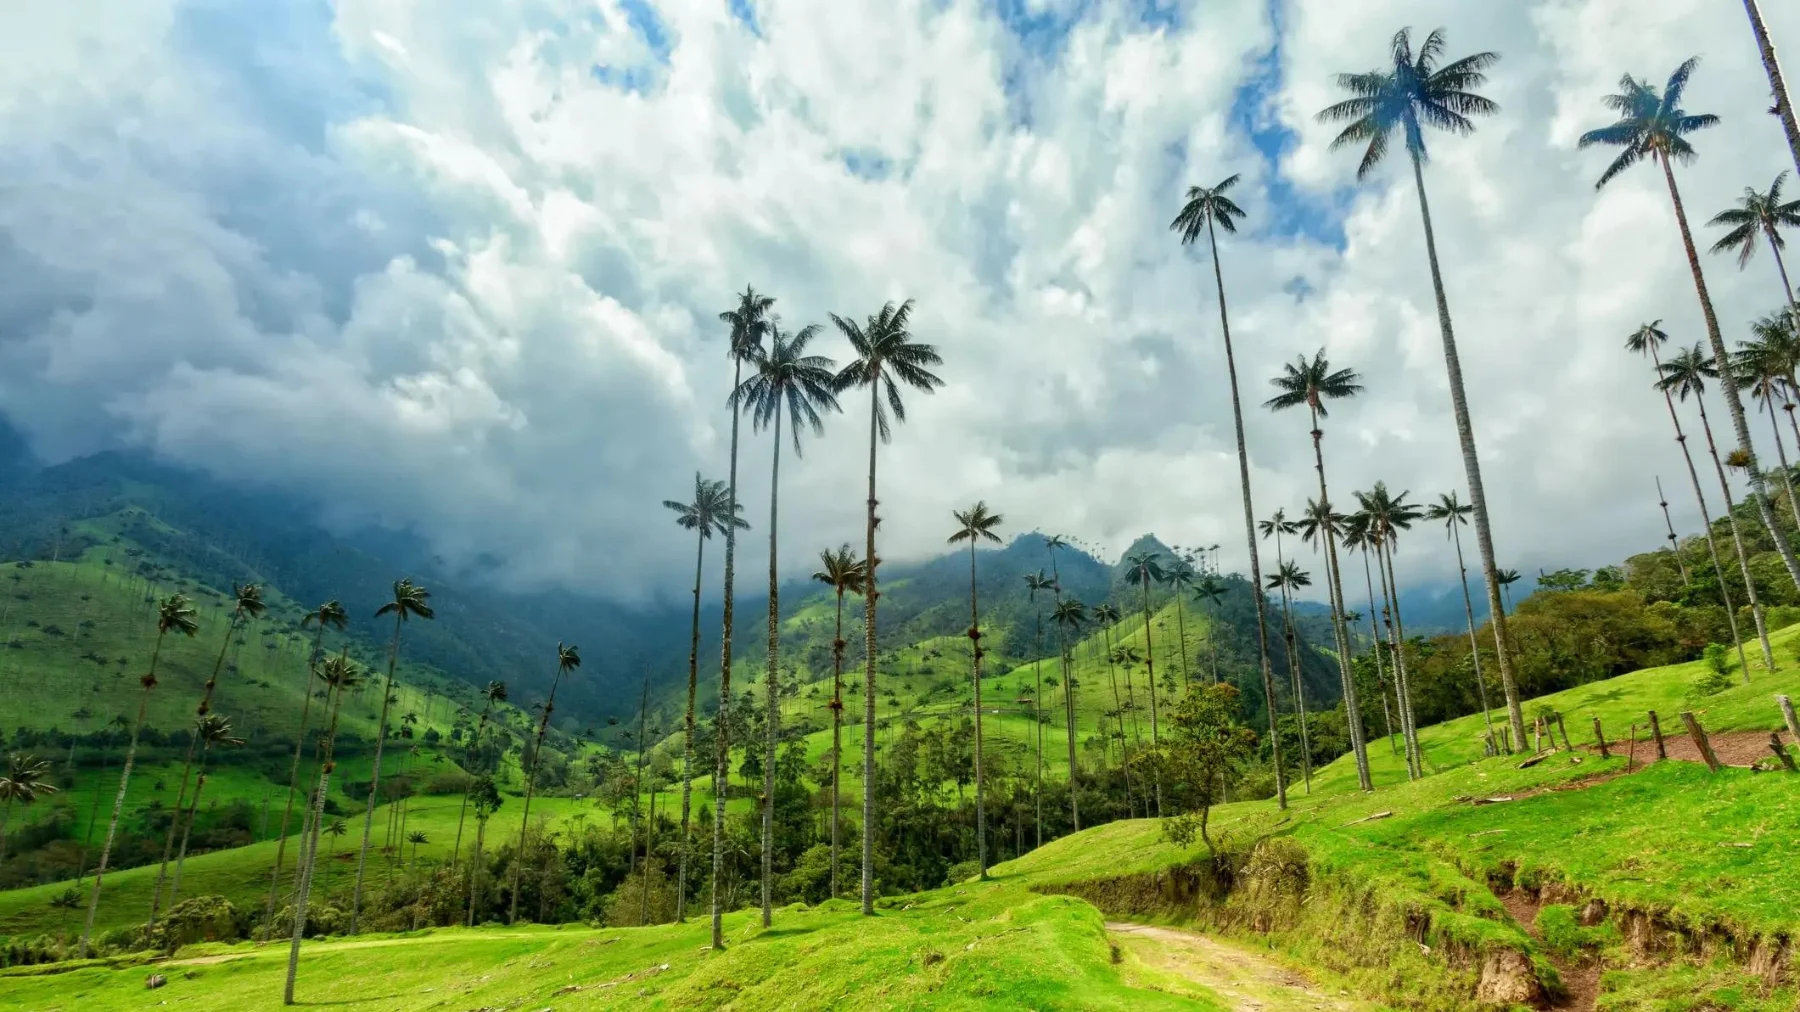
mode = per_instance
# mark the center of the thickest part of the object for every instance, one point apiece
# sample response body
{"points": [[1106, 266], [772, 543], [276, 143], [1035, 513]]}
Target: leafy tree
{"points": [[1211, 209], [975, 525], [568, 658], [1413, 91], [1206, 746], [340, 676], [410, 600], [843, 572], [1454, 514], [27, 779], [331, 613], [886, 358]]}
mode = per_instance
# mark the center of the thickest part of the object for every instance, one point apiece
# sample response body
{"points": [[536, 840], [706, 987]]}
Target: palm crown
{"points": [[841, 570], [331, 613], [215, 729], [249, 599], [1205, 207], [568, 658], [1312, 384], [1385, 514], [1288, 575], [1757, 216], [1276, 524], [409, 599], [1650, 124], [176, 615], [27, 777], [1410, 94], [1106, 613], [1451, 510], [1210, 590], [1647, 338], [1070, 614], [749, 321], [495, 692], [711, 511], [1143, 569], [975, 524], [788, 380], [340, 673], [886, 357], [1316, 517], [1686, 373], [1037, 581]]}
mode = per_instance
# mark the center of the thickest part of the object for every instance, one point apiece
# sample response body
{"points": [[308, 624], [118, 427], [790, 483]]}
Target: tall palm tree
{"points": [[494, 693], [843, 572], [975, 525], [410, 601], [1779, 335], [1648, 340], [1454, 513], [247, 605], [887, 358], [1209, 209], [27, 779], [1784, 104], [1312, 383], [1210, 593], [1759, 216], [487, 800], [1069, 616], [1508, 577], [214, 729], [1108, 616], [1654, 126], [568, 658], [1034, 583], [786, 381], [1180, 576], [1761, 366], [1356, 538], [1385, 516], [1412, 91], [1674, 541], [711, 511], [749, 323], [174, 615], [1142, 570], [1685, 375], [1288, 578], [415, 838], [331, 613]]}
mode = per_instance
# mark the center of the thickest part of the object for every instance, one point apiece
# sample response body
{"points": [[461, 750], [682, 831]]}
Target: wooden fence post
{"points": [[1600, 738], [1564, 728], [1787, 714], [1698, 733], [1631, 752], [1656, 732], [1537, 736], [1781, 753]]}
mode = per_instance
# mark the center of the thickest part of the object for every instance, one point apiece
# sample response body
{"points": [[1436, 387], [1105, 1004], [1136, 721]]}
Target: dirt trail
{"points": [[1581, 981], [1244, 979]]}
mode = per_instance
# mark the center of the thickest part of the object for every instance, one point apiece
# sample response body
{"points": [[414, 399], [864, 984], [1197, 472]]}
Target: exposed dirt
{"points": [[1581, 981], [1734, 748], [1243, 978]]}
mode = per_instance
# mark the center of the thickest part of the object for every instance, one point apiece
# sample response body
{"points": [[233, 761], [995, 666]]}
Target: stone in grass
{"points": [[155, 981]]}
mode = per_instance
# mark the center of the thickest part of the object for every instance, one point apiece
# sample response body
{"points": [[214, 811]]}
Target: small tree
{"points": [[1205, 747]]}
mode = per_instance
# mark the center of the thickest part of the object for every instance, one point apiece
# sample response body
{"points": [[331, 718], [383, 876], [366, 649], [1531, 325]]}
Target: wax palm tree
{"points": [[887, 359], [1210, 594], [568, 658], [487, 800], [1415, 90], [213, 730], [786, 381], [1759, 217], [1654, 126], [173, 615], [1209, 209], [975, 525], [1454, 514], [1647, 340], [843, 572], [711, 511], [340, 676], [1274, 527], [1761, 366], [494, 693], [332, 614], [1180, 577], [1784, 105], [1108, 616], [1384, 517], [749, 321], [415, 838], [410, 601], [1313, 383], [247, 604], [1508, 577], [1143, 570], [27, 779], [1779, 335], [1069, 617], [1674, 541], [1357, 538], [1034, 583], [1288, 578]]}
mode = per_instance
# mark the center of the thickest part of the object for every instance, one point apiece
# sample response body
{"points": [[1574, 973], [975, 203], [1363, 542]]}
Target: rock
{"points": [[1593, 913], [1507, 978], [155, 981]]}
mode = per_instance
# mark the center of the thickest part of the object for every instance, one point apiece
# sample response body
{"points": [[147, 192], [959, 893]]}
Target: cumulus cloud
{"points": [[462, 274]]}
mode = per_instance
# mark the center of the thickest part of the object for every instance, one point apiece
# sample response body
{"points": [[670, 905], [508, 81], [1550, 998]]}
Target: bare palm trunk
{"points": [[1787, 476], [1733, 403], [187, 828], [1256, 590], [687, 734], [1403, 683], [1062, 652], [1287, 621], [309, 847], [837, 737], [1130, 704], [1465, 433], [1150, 676], [293, 784], [870, 597], [537, 761], [475, 865], [1112, 676], [980, 779], [774, 721], [463, 810], [1784, 106], [1474, 647], [112, 827], [381, 726], [722, 770], [1187, 679], [1387, 718], [1335, 594], [1675, 542], [1737, 537], [1037, 715]]}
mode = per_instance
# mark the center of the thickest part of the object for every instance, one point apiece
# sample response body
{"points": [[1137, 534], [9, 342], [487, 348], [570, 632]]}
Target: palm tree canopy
{"points": [[409, 599], [331, 613], [215, 729], [841, 570], [1386, 514], [1650, 124], [416, 837], [1411, 93], [1507, 577], [711, 511], [176, 615], [1207, 205], [975, 524], [1106, 613], [1070, 614], [495, 692], [1277, 524], [887, 357], [1647, 338], [788, 380], [1037, 581], [26, 779], [1312, 384], [1289, 575], [749, 321], [1210, 590], [1686, 373], [249, 598], [1451, 510], [340, 673], [568, 657], [1758, 216], [1762, 366], [1180, 574], [1143, 569], [1316, 517]]}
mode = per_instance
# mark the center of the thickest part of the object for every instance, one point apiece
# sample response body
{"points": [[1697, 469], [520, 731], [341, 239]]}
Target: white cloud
{"points": [[448, 273]]}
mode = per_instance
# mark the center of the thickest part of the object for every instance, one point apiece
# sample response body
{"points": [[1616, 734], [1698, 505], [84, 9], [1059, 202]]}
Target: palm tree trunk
{"points": [[722, 771], [1150, 676], [1733, 403], [1403, 684], [1287, 621], [1465, 433], [1387, 718], [1474, 647], [309, 849], [837, 737], [687, 733], [475, 864], [870, 597], [112, 826], [1130, 704], [1784, 106], [975, 661], [1068, 666], [537, 759], [1395, 658], [187, 829], [774, 721], [1062, 653], [1787, 476], [1037, 713], [293, 783], [1187, 680], [387, 693], [1112, 675], [1335, 594], [1737, 539], [1256, 589], [1687, 580], [1712, 540], [463, 810]]}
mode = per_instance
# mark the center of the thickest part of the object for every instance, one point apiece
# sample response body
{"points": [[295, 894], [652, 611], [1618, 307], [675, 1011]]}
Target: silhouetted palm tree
{"points": [[1142, 570], [976, 525], [415, 838], [1180, 577], [1107, 616], [410, 600], [843, 572], [1759, 216], [1356, 538], [1034, 583], [175, 615], [27, 779], [1289, 578], [887, 358], [1210, 209], [494, 693], [340, 676], [1761, 365], [331, 613], [1411, 92], [1455, 513], [1654, 126], [1383, 517], [214, 729], [710, 511], [568, 658], [1069, 617]]}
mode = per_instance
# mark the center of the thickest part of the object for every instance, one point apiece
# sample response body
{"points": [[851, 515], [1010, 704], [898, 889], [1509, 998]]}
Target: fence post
{"points": [[1564, 728], [1631, 752], [1537, 736], [1601, 739], [1656, 732], [1781, 753], [1787, 714], [1698, 733]]}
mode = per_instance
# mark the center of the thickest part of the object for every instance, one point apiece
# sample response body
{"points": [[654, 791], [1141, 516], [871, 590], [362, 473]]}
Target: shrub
{"points": [[1715, 672], [199, 919]]}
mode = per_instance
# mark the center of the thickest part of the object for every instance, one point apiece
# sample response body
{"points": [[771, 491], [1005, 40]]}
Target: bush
{"points": [[961, 872], [200, 919], [1715, 673]]}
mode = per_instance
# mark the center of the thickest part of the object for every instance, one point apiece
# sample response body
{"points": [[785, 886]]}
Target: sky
{"points": [[456, 267]]}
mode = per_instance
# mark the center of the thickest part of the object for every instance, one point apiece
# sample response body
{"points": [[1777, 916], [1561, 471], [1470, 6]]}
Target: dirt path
{"points": [[1581, 981], [1242, 978]]}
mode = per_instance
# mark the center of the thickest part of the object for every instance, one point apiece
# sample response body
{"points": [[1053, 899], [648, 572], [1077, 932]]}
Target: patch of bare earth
{"points": [[1248, 980], [1581, 981]]}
